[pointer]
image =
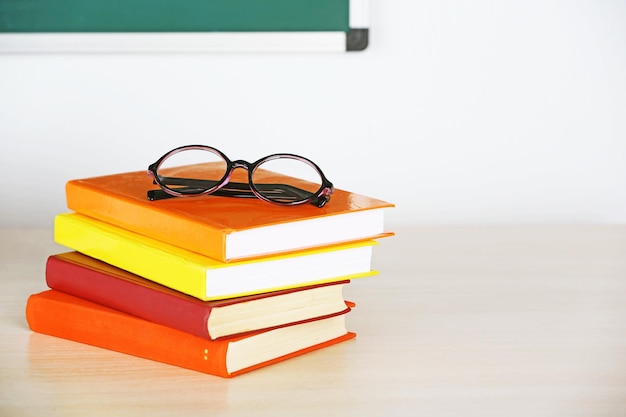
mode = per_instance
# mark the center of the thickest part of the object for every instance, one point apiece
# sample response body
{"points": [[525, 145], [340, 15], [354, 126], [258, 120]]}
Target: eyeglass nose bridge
{"points": [[240, 163]]}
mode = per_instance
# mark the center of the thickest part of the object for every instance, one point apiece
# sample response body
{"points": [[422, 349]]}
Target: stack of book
{"points": [[215, 284]]}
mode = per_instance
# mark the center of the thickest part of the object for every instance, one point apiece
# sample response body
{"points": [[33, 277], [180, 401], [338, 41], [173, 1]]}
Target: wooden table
{"points": [[462, 321]]}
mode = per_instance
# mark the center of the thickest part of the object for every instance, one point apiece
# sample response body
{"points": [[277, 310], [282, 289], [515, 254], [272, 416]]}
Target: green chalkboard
{"points": [[186, 16]]}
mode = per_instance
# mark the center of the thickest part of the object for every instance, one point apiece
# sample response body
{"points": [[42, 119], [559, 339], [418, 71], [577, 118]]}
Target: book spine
{"points": [[62, 315], [146, 218], [119, 294], [86, 236]]}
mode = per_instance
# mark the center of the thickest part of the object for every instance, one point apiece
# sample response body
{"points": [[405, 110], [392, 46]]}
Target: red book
{"points": [[226, 228], [62, 315], [88, 278]]}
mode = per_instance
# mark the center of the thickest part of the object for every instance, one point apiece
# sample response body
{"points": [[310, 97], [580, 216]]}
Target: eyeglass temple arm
{"points": [[234, 189]]}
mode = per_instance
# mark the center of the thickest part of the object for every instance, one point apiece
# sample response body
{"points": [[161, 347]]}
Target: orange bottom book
{"points": [[58, 314]]}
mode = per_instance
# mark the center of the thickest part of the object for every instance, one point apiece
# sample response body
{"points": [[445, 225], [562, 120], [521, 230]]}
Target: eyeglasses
{"points": [[282, 178]]}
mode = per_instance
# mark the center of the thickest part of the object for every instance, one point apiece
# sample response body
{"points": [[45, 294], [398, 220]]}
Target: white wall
{"points": [[459, 111]]}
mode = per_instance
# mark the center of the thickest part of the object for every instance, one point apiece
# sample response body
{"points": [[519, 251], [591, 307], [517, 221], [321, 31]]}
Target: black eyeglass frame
{"points": [[224, 187]]}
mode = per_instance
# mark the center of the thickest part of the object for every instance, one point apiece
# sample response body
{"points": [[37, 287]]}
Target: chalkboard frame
{"points": [[70, 29]]}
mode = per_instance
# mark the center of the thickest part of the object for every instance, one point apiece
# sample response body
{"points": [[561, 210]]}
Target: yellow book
{"points": [[206, 278]]}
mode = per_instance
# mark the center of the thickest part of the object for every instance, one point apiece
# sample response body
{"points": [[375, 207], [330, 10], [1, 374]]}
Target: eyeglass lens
{"points": [[284, 179]]}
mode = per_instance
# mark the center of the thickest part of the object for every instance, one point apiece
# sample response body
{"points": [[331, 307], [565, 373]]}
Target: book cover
{"points": [[62, 315], [226, 228], [90, 279], [206, 278]]}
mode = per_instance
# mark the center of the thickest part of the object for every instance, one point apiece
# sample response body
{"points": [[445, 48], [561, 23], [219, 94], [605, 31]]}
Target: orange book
{"points": [[226, 228], [62, 315]]}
